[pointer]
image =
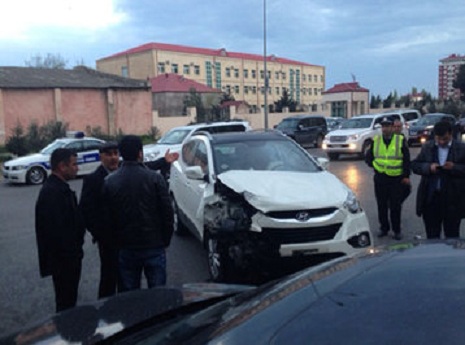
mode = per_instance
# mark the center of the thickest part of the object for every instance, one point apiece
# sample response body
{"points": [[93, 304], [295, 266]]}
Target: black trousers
{"points": [[108, 269], [389, 193], [66, 275], [438, 215]]}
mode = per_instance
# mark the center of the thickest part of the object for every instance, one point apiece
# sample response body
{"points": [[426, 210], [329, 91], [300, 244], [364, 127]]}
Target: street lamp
{"points": [[264, 67]]}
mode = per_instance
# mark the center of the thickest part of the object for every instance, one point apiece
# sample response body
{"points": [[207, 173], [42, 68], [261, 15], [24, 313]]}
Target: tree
{"points": [[459, 82], [285, 101], [195, 100], [50, 61]]}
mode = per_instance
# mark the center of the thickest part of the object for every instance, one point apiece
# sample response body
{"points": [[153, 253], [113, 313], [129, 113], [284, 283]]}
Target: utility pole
{"points": [[265, 91]]}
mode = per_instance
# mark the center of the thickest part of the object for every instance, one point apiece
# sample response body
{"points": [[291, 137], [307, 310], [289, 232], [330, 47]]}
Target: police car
{"points": [[34, 169]]}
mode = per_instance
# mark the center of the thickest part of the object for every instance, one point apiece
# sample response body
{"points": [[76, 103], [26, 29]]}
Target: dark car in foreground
{"points": [[422, 130], [409, 293]]}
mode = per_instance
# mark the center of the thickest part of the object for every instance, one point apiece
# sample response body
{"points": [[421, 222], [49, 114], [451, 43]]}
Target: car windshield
{"points": [[289, 123], [357, 123], [47, 150], [175, 136], [428, 120], [263, 155]]}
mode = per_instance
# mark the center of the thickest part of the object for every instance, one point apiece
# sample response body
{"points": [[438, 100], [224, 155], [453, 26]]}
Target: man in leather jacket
{"points": [[139, 213]]}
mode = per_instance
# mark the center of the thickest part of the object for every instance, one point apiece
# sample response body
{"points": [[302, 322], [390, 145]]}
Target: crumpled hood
{"points": [[283, 190], [349, 131]]}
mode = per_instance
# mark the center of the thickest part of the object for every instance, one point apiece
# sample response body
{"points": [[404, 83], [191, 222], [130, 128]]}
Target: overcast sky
{"points": [[385, 45]]}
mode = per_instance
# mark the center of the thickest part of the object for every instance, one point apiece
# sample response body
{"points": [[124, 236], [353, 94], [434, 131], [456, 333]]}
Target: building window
{"points": [[262, 74], [246, 90], [284, 75], [236, 89], [315, 78], [124, 71], [322, 79], [254, 74], [228, 89], [303, 77], [186, 69], [310, 91], [304, 91], [315, 91], [161, 67], [246, 73], [236, 73], [277, 90], [174, 68], [276, 75], [314, 107], [228, 72], [197, 70], [254, 90], [268, 74]]}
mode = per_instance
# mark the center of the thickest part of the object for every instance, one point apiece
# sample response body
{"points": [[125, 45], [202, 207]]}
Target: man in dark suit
{"points": [[441, 193], [92, 207], [60, 229]]}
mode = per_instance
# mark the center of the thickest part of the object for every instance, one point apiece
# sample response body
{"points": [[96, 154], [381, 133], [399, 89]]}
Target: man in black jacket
{"points": [[441, 193], [60, 229], [92, 207], [138, 208]]}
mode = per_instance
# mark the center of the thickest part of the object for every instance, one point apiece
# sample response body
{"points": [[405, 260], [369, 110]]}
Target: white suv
{"points": [[356, 135], [175, 137], [254, 198]]}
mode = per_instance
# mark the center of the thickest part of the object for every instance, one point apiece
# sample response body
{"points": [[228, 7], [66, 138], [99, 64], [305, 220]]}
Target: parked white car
{"points": [[175, 137], [258, 196], [356, 135], [34, 169]]}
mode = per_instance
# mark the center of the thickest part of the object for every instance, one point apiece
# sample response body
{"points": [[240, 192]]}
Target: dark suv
{"points": [[305, 129], [422, 130]]}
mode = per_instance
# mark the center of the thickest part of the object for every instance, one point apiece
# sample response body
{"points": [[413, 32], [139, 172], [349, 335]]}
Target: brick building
{"points": [[81, 97], [239, 74], [448, 70]]}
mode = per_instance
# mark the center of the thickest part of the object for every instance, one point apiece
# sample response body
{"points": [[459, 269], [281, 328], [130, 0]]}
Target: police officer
{"points": [[389, 156]]}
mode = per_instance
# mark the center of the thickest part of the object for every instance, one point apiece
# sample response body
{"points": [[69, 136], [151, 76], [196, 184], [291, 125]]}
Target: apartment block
{"points": [[241, 75], [448, 70]]}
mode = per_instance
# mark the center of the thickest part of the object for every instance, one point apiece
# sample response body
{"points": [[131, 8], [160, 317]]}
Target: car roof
{"points": [[439, 114], [247, 136], [70, 140], [212, 124], [300, 116]]}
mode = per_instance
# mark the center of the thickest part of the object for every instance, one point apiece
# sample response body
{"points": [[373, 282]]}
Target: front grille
{"points": [[300, 235], [319, 212], [337, 138]]}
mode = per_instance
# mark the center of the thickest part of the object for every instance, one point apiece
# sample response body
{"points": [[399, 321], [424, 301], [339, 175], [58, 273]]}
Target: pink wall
{"points": [[79, 108]]}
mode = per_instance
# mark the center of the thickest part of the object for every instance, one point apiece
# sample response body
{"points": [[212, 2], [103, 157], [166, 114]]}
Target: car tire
{"points": [[36, 175], [179, 228], [333, 156], [219, 263]]}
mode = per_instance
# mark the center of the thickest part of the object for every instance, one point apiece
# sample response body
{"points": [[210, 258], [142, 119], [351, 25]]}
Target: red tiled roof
{"points": [[172, 82], [203, 51], [346, 87]]}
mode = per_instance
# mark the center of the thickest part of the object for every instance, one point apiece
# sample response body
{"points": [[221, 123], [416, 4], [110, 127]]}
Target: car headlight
{"points": [[19, 167], [351, 202], [353, 137]]}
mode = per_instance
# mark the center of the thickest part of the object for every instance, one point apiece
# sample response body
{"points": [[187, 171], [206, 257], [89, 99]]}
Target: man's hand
{"points": [[448, 165], [171, 157], [434, 167], [405, 180]]}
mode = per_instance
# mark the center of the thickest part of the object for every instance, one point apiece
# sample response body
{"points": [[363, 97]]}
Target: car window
{"points": [[52, 147], [201, 156], [282, 155], [175, 136], [357, 123], [89, 145], [76, 146], [188, 153], [288, 124], [410, 116]]}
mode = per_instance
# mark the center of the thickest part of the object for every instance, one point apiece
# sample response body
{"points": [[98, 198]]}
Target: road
{"points": [[25, 297]]}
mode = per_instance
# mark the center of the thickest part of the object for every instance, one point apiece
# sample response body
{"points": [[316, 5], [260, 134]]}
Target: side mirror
{"points": [[324, 162]]}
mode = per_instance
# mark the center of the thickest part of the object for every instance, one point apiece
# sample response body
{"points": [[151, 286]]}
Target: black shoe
{"points": [[397, 237], [382, 234]]}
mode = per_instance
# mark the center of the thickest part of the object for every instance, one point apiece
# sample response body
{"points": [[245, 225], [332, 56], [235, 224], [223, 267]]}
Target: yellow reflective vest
{"points": [[388, 159]]}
